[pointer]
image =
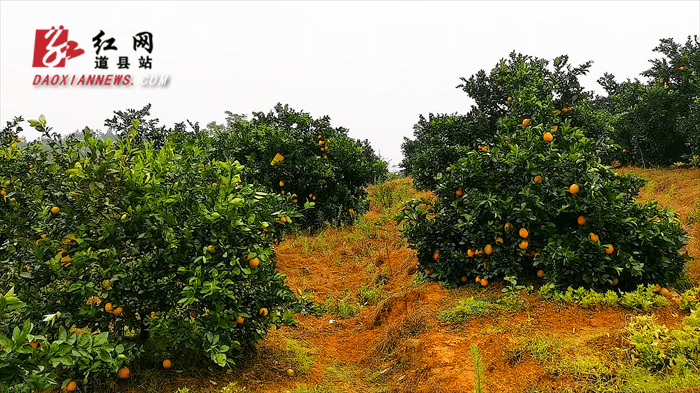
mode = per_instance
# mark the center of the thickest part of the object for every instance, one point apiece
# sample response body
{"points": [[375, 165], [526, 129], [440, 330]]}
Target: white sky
{"points": [[373, 67]]}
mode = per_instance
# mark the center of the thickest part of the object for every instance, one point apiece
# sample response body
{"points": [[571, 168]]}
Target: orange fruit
{"points": [[123, 373], [478, 279], [593, 237], [71, 386], [282, 192], [240, 320], [510, 99], [547, 137], [581, 220], [319, 137], [459, 192], [33, 344], [294, 200], [681, 68], [574, 189], [526, 122], [214, 185], [540, 273], [523, 244], [351, 211], [463, 279], [657, 288], [609, 249], [264, 312], [484, 282], [55, 210], [283, 219], [664, 292], [615, 281], [523, 233], [167, 363], [557, 111], [508, 227], [118, 311], [281, 183], [108, 307], [436, 256], [499, 241], [488, 249], [290, 372], [538, 179], [201, 165], [470, 253], [255, 262]]}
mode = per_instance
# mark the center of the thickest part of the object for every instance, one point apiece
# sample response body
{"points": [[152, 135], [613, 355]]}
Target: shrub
{"points": [[539, 198], [657, 122], [321, 165], [519, 85], [151, 245]]}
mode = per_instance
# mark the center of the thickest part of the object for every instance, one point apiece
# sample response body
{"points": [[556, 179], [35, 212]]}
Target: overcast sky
{"points": [[373, 67]]}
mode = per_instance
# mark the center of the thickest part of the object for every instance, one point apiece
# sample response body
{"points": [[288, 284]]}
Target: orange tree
{"points": [[537, 197], [657, 121], [317, 164], [442, 139], [166, 248]]}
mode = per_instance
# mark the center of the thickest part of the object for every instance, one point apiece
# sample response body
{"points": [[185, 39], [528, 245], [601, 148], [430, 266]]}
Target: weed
{"points": [[300, 355], [466, 309], [658, 348], [370, 296], [342, 307], [542, 348], [479, 369], [690, 299], [643, 298]]}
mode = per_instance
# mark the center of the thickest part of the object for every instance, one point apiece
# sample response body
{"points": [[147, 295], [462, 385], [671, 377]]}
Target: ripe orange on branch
{"points": [[523, 233], [574, 188], [526, 122], [547, 137], [581, 220], [167, 363], [538, 179]]}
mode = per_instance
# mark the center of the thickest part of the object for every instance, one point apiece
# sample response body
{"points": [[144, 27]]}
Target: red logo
{"points": [[52, 48]]}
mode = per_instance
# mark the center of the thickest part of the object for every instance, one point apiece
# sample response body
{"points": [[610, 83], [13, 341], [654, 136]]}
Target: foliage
{"points": [[690, 299], [163, 246], [513, 207], [321, 165], [519, 85], [642, 298], [658, 122], [658, 348]]}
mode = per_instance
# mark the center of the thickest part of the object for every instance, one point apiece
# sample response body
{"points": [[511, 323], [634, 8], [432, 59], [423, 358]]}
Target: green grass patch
{"points": [[300, 355]]}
